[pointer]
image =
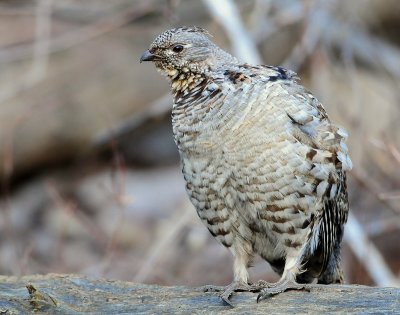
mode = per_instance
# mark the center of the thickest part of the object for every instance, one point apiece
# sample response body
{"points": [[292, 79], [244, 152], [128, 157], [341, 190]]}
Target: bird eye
{"points": [[177, 48]]}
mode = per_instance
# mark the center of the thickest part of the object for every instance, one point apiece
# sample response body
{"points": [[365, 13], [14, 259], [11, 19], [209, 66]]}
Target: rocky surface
{"points": [[73, 294]]}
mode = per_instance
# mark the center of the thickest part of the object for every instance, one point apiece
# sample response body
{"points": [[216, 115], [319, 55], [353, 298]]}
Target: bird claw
{"points": [[267, 289], [225, 298], [225, 294], [236, 286], [279, 287]]}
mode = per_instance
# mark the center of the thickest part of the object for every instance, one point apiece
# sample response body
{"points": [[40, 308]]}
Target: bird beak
{"points": [[147, 56]]}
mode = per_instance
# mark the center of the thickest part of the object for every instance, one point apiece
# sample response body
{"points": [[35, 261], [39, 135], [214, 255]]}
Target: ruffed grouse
{"points": [[264, 166]]}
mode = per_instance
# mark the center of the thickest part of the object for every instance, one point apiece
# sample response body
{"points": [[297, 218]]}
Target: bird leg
{"points": [[241, 261]]}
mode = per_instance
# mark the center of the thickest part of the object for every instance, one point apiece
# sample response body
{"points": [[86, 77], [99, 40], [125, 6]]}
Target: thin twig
{"points": [[161, 245], [227, 15], [389, 195], [366, 182], [118, 178], [72, 210], [263, 26], [394, 151], [365, 47], [383, 226], [159, 107], [83, 34], [40, 53], [42, 39], [312, 34], [368, 254]]}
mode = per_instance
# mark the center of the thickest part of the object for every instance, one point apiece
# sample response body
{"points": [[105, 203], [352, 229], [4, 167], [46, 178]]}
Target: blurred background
{"points": [[89, 173]]}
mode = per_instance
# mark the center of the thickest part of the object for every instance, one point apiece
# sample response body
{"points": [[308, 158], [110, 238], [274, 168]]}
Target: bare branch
{"points": [[226, 13], [81, 35], [42, 39], [158, 108], [40, 53], [176, 224], [382, 226], [368, 254], [372, 187]]}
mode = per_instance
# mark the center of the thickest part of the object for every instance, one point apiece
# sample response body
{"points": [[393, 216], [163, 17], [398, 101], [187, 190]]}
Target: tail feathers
{"points": [[333, 272]]}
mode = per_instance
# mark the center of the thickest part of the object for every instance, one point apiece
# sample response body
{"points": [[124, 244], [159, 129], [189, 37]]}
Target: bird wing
{"points": [[321, 157], [328, 154]]}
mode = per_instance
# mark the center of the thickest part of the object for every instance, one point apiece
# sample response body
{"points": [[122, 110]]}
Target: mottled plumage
{"points": [[264, 166]]}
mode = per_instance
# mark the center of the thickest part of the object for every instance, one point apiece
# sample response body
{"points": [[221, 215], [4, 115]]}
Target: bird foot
{"points": [[279, 287], [235, 286], [260, 285], [212, 288]]}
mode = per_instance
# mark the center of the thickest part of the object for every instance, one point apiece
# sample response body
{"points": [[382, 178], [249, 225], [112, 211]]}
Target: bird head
{"points": [[184, 49]]}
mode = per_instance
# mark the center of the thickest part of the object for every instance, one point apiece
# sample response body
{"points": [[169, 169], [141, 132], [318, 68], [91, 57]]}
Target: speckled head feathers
{"points": [[185, 49], [175, 35]]}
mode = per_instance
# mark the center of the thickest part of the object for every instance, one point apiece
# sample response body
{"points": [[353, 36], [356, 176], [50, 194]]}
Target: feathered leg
{"points": [[240, 279]]}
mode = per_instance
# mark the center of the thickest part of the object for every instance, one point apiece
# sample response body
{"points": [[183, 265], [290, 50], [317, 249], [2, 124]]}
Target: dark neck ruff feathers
{"points": [[187, 86]]}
